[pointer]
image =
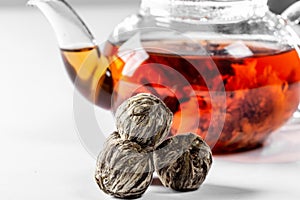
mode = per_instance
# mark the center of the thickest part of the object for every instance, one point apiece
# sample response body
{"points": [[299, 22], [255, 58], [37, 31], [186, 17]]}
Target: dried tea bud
{"points": [[182, 162], [124, 169], [144, 119]]}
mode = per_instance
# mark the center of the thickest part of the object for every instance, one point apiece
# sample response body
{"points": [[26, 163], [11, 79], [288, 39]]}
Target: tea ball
{"points": [[144, 119], [182, 162], [124, 169]]}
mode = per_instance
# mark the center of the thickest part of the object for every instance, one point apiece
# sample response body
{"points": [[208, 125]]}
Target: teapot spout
{"points": [[71, 32], [86, 66], [292, 13]]}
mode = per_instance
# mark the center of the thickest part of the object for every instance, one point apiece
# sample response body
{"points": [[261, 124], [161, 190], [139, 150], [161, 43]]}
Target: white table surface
{"points": [[41, 154]]}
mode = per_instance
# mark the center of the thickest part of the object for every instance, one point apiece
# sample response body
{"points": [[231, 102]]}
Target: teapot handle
{"points": [[292, 13]]}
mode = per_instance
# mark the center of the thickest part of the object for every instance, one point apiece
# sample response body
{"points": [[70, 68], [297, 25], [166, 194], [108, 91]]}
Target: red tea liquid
{"points": [[258, 89]]}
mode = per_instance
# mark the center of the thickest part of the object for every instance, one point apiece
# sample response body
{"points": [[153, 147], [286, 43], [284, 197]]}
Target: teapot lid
{"points": [[211, 11]]}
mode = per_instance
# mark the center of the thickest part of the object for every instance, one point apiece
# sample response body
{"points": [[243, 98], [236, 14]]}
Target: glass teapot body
{"points": [[228, 70]]}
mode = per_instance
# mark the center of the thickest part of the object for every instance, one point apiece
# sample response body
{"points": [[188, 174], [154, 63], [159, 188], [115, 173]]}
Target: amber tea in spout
{"points": [[262, 86], [90, 74]]}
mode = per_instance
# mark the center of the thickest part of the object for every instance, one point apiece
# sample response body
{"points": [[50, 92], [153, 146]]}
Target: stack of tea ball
{"points": [[130, 156]]}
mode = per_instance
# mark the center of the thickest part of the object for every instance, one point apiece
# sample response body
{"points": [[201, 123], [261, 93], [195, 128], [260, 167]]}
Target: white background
{"points": [[41, 156], [85, 2]]}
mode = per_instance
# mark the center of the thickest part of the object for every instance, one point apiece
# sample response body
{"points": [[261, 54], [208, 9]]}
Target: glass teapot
{"points": [[229, 70]]}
